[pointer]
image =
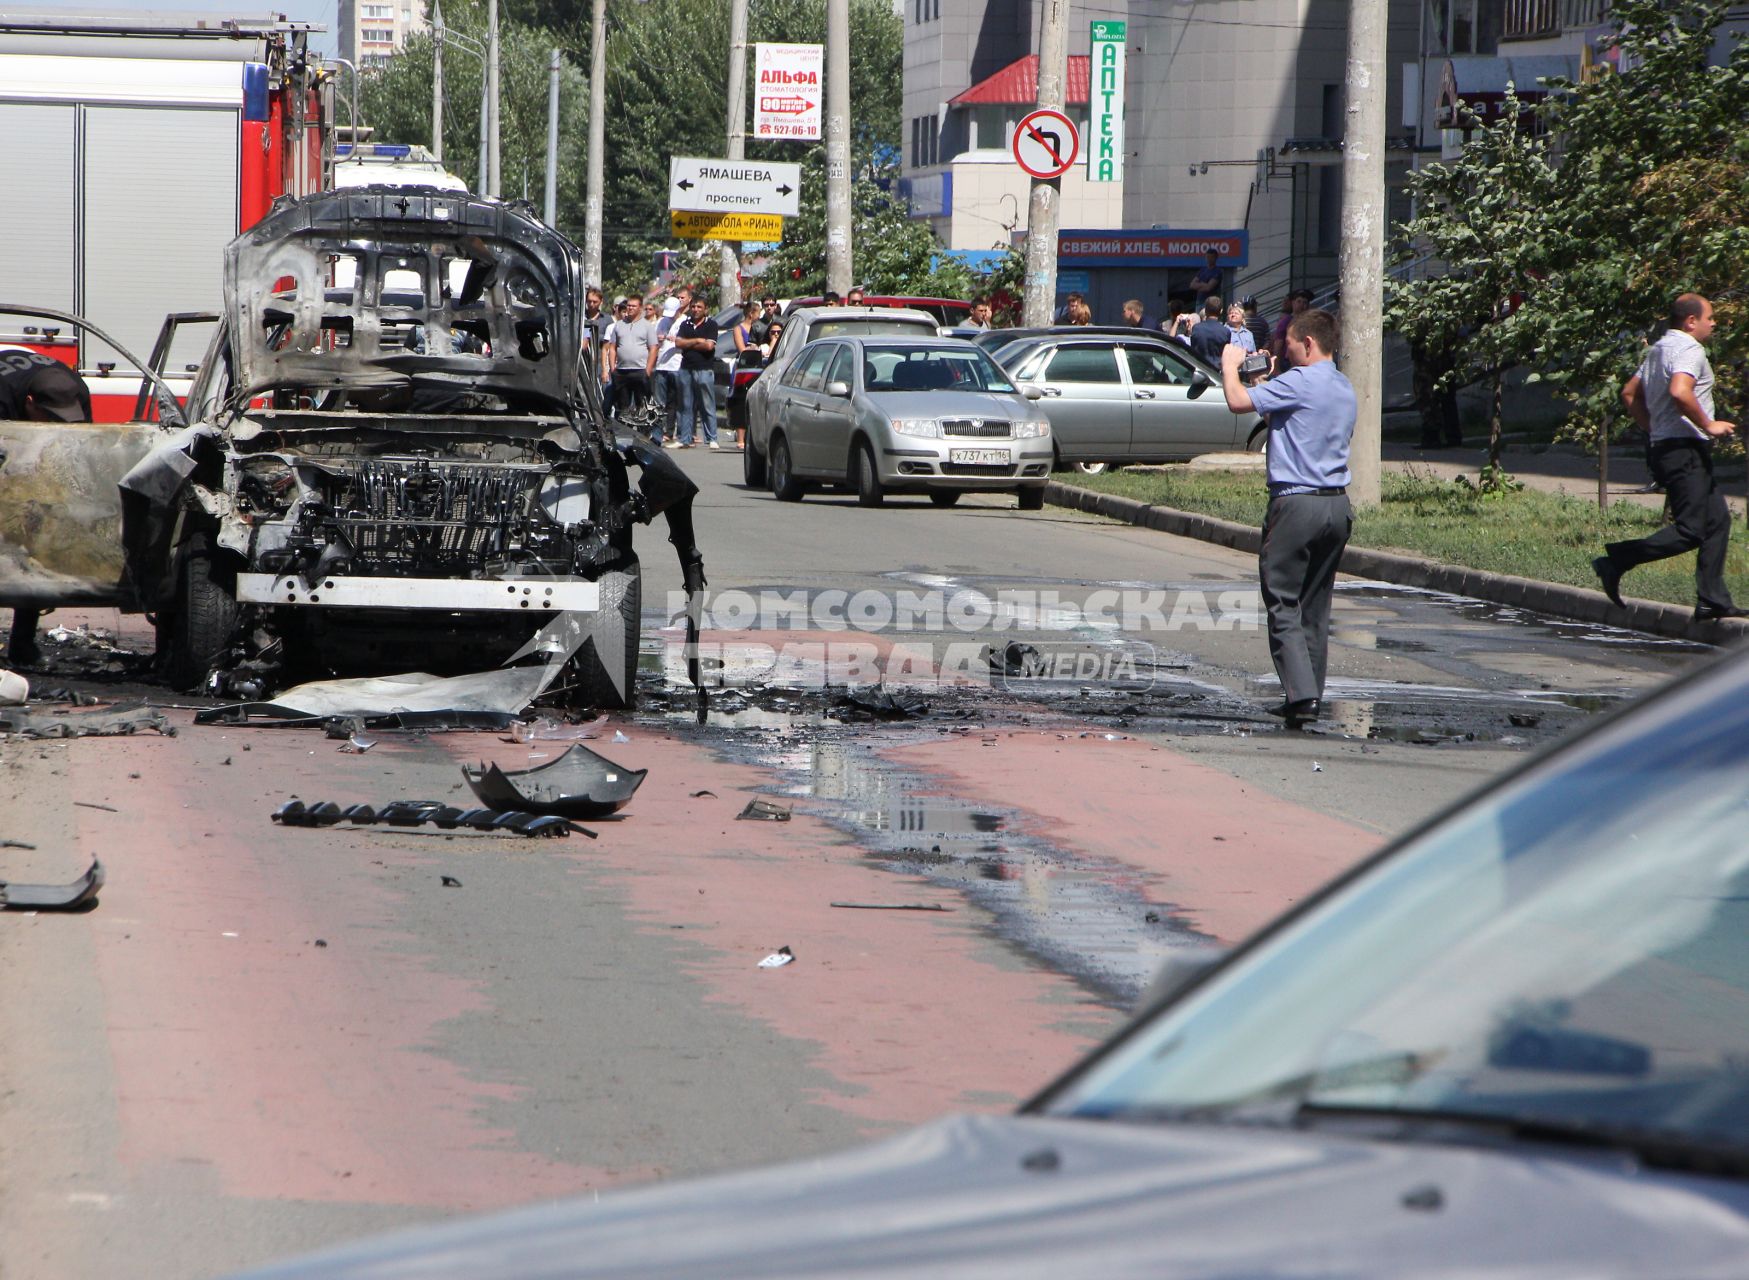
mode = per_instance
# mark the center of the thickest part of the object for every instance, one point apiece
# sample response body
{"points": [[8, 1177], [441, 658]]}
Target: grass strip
{"points": [[1547, 536]]}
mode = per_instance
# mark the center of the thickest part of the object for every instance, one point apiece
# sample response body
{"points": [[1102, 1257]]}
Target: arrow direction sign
{"points": [[734, 186], [766, 228]]}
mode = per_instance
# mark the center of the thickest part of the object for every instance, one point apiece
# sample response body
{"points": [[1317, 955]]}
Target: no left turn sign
{"points": [[1046, 144]]}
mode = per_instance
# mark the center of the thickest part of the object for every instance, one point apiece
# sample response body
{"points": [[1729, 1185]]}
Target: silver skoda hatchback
{"points": [[884, 415]]}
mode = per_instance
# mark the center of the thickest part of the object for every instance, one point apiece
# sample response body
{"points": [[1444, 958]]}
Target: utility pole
{"points": [[729, 280], [552, 203], [484, 185], [437, 82], [597, 142], [838, 243], [1044, 210], [1363, 241], [494, 174]]}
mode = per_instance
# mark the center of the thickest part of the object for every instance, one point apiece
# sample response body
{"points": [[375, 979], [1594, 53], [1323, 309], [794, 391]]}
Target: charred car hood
{"points": [[407, 291], [1020, 1196]]}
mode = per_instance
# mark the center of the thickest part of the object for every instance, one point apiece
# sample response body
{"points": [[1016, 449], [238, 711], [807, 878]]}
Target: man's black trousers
{"points": [[1303, 538], [1699, 518]]}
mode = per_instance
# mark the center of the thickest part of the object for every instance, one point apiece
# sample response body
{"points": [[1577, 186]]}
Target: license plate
{"points": [[981, 457]]}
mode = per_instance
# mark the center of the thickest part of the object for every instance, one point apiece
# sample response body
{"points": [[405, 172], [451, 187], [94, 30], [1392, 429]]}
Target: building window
{"points": [[925, 11], [377, 11], [1457, 27], [1531, 19], [371, 35], [925, 142]]}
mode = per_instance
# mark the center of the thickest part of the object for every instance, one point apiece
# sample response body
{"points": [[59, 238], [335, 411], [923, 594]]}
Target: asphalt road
{"points": [[263, 1040]]}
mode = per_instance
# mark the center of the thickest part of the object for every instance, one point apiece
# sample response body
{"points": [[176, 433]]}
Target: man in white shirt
{"points": [[1671, 397], [668, 368]]}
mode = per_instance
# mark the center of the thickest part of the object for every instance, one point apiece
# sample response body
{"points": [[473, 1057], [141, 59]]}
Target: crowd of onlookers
{"points": [[657, 354]]}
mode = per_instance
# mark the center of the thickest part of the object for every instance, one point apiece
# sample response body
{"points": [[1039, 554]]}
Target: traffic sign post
{"points": [[1046, 144], [764, 227], [787, 90], [734, 186]]}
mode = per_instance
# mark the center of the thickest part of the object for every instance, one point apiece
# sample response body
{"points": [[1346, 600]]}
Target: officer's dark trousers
{"points": [[1700, 519], [1303, 537]]}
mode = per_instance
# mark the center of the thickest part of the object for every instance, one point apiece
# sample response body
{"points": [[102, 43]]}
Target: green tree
{"points": [[1481, 216], [395, 100], [1634, 187], [1651, 198], [894, 252], [667, 95]]}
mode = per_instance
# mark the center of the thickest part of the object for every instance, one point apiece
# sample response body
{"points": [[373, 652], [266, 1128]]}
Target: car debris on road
{"points": [[416, 813], [53, 897], [579, 784], [121, 720], [762, 810]]}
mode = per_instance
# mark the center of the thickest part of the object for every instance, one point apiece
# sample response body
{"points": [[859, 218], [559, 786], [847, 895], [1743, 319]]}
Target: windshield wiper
{"points": [[1659, 1148]]}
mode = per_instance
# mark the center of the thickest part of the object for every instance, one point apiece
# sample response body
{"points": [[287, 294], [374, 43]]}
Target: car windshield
{"points": [[900, 368], [1569, 954]]}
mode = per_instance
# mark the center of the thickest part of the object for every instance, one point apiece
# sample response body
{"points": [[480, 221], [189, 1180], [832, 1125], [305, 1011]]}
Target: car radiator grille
{"points": [[406, 516], [974, 427], [971, 469]]}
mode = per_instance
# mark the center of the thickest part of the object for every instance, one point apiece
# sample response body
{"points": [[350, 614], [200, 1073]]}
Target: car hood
{"points": [[950, 404], [1020, 1196]]}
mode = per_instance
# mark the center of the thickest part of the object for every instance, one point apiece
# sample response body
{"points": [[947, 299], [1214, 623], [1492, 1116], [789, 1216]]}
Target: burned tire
{"points": [[202, 620], [944, 497], [606, 679], [1032, 499], [752, 465]]}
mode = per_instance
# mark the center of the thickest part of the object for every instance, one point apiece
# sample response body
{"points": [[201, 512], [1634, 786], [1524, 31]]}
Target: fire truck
{"points": [[136, 148]]}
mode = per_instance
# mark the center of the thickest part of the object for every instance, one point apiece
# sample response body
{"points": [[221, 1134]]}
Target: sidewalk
{"points": [[1553, 469]]}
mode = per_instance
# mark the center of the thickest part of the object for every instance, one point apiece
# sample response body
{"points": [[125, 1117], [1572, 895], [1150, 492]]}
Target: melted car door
{"points": [[1169, 423], [1087, 401]]}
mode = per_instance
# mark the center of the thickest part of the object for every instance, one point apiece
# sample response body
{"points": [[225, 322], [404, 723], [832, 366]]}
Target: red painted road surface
{"points": [[289, 1074]]}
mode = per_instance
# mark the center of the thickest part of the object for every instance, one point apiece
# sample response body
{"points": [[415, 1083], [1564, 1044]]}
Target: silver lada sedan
{"points": [[897, 415]]}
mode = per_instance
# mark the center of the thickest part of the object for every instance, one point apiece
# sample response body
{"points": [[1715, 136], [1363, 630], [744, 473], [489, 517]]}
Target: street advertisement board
{"points": [[788, 86]]}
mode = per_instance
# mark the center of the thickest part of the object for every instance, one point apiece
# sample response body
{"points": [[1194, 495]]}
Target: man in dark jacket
{"points": [[1211, 335]]}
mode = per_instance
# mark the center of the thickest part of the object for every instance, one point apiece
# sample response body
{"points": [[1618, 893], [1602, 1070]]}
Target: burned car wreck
{"points": [[396, 457]]}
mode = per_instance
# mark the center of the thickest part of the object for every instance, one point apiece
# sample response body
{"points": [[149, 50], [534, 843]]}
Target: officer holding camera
{"points": [[1310, 411]]}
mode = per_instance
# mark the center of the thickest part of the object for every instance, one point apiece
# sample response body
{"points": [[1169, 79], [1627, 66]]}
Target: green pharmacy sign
{"points": [[1105, 103]]}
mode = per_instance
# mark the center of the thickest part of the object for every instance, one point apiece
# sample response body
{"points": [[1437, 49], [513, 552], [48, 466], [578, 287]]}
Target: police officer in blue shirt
{"points": [[1311, 411]]}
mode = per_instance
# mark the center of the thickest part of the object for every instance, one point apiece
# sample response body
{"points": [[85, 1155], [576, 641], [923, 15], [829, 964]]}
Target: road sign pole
{"points": [[729, 276], [1043, 211], [838, 245], [1363, 235], [597, 145], [551, 207]]}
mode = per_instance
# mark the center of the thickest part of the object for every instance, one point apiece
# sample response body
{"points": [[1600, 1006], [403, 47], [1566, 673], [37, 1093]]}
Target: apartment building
{"points": [[373, 31], [1233, 124]]}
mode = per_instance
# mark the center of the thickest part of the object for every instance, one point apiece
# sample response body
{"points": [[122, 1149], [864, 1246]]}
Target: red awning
{"points": [[1017, 85]]}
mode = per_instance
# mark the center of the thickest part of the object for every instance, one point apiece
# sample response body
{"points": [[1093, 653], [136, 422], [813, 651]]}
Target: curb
{"points": [[1578, 603]]}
